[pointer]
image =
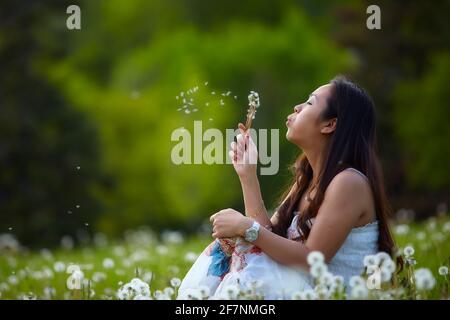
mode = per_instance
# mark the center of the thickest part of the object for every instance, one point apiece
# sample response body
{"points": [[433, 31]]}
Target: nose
{"points": [[298, 108]]}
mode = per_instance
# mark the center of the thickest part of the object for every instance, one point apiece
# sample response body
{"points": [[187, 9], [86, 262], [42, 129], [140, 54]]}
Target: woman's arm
{"points": [[254, 204], [338, 214], [244, 156]]}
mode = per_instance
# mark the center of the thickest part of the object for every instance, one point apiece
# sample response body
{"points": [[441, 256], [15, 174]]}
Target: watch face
{"points": [[252, 234]]}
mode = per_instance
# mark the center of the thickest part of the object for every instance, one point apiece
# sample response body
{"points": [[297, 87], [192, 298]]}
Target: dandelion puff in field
{"points": [[370, 260], [309, 294], [315, 257], [190, 256], [424, 279], [408, 251], [297, 295], [175, 282], [162, 249], [359, 292], [98, 276], [326, 278], [108, 263], [232, 291], [169, 291], [383, 256], [401, 229], [318, 270], [204, 291], [443, 270], [356, 281]]}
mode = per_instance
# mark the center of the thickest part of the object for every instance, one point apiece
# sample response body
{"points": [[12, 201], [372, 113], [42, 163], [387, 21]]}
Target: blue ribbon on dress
{"points": [[220, 263]]}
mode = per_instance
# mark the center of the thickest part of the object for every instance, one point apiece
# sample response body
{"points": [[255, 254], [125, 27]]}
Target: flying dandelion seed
{"points": [[194, 110], [221, 102], [235, 97], [78, 167], [210, 119], [77, 206], [206, 83], [69, 211], [86, 224], [187, 111], [10, 228], [213, 92], [207, 104], [177, 97]]}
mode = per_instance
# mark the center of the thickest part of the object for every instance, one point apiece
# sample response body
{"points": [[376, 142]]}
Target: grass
{"points": [[157, 259]]}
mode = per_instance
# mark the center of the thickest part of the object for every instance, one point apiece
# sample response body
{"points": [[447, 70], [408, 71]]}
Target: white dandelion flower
{"points": [[359, 292], [175, 282], [408, 251], [326, 278], [383, 256], [318, 269], [424, 279], [59, 266], [443, 270], [232, 291], [401, 229], [169, 291], [204, 291], [297, 295], [309, 294], [370, 260], [108, 263], [315, 257], [356, 281], [388, 266], [190, 256]]}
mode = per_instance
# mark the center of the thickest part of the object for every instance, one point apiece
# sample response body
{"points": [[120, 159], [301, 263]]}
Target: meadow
{"points": [[146, 265]]}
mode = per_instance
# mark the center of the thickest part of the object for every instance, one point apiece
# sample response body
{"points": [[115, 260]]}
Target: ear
{"points": [[329, 126]]}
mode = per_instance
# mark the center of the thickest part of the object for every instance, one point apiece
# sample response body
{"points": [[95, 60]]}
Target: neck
{"points": [[315, 157]]}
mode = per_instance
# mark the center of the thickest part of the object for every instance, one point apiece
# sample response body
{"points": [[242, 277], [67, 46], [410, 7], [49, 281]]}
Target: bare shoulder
{"points": [[349, 191], [349, 183]]}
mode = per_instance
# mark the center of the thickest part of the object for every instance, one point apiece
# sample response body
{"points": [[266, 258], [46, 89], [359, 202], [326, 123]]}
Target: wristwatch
{"points": [[251, 234]]}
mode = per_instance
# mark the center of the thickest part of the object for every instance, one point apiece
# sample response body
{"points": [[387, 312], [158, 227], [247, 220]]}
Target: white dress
{"points": [[233, 261]]}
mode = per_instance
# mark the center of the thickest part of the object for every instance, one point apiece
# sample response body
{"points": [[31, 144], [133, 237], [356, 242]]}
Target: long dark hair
{"points": [[353, 144]]}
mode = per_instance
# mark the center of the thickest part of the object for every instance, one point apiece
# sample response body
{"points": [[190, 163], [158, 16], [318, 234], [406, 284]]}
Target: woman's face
{"points": [[305, 126]]}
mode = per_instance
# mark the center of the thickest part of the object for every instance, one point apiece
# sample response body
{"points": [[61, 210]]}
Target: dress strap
{"points": [[357, 171]]}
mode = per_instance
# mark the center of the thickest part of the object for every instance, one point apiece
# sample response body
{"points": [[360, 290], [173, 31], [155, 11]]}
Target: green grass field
{"points": [[156, 259]]}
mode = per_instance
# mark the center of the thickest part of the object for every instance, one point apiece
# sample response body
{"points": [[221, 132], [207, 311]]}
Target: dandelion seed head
{"points": [[443, 270]]}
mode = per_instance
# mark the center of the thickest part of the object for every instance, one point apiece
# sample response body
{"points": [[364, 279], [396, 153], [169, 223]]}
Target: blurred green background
{"points": [[86, 115]]}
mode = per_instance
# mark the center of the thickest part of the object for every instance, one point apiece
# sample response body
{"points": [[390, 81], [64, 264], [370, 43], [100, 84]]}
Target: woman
{"points": [[336, 203]]}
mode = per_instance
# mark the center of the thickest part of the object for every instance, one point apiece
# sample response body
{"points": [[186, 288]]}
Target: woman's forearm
{"points": [[284, 251], [254, 204]]}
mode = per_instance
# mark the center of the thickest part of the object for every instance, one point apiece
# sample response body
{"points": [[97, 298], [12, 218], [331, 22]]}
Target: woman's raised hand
{"points": [[244, 154]]}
